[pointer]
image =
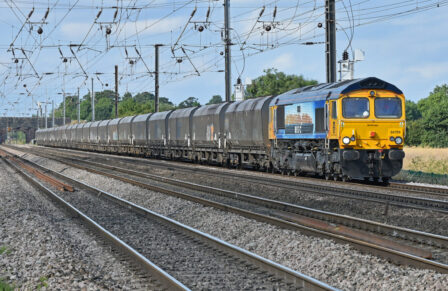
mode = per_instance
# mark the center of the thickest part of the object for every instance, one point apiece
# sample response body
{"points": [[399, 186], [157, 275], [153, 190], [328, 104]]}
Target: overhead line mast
{"points": [[228, 43], [156, 79], [330, 39]]}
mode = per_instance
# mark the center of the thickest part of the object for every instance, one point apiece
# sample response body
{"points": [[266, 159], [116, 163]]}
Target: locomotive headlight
{"points": [[392, 138], [398, 140], [346, 140]]}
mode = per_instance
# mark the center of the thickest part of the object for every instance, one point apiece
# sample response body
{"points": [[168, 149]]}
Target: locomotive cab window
{"points": [[334, 111], [388, 108], [355, 107]]}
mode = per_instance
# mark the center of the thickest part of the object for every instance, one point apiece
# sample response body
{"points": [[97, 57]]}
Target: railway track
{"points": [[421, 190], [195, 259], [370, 193], [306, 220]]}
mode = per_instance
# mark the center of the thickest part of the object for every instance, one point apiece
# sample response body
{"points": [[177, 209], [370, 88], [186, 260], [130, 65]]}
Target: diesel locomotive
{"points": [[345, 130]]}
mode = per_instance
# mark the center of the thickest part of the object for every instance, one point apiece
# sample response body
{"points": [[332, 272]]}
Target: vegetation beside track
{"points": [[4, 286], [425, 165]]}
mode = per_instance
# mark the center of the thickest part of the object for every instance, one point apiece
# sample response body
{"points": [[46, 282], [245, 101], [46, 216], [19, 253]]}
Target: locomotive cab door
{"points": [[333, 130]]}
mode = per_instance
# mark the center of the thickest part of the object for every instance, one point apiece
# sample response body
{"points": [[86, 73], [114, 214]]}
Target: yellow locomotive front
{"points": [[369, 125]]}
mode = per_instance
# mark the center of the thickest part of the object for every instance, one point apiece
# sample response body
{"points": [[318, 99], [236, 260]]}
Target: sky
{"points": [[405, 43]]}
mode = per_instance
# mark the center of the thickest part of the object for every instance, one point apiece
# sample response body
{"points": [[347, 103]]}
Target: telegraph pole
{"points": [[79, 108], [92, 96], [63, 95], [52, 109], [46, 102], [46, 121], [116, 91], [228, 43], [156, 78], [330, 39]]}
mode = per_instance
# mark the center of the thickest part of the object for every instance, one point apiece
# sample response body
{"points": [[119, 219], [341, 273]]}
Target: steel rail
{"points": [[310, 187], [157, 273], [372, 226], [390, 254], [289, 275], [419, 189]]}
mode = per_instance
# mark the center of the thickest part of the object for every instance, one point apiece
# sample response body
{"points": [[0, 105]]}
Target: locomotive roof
{"points": [[333, 90]]}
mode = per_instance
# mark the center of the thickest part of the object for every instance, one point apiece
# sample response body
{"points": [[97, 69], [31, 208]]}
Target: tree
{"points": [[435, 117], [189, 102], [274, 83], [126, 95], [104, 108], [216, 99], [427, 121], [414, 133], [412, 111], [414, 129], [144, 97]]}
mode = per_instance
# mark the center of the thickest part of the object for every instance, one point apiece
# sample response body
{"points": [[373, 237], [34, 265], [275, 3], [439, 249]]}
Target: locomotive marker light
{"points": [[346, 140], [372, 94], [398, 140], [392, 138]]}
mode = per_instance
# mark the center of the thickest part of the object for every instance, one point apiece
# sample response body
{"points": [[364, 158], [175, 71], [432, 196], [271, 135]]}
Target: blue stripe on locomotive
{"points": [[300, 121]]}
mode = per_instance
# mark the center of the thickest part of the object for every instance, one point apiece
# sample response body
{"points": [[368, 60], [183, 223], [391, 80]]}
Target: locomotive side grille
{"points": [[320, 120], [281, 117]]}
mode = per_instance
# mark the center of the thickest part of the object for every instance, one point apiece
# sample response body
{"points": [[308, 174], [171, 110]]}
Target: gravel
{"points": [[336, 264], [423, 220], [191, 261], [42, 247]]}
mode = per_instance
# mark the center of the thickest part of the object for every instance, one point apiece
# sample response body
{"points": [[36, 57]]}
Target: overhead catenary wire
{"points": [[297, 25]]}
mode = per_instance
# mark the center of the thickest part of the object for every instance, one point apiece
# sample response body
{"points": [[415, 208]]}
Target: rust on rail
{"points": [[38, 174], [353, 233]]}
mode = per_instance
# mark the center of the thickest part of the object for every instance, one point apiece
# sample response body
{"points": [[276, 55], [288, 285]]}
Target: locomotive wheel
{"points": [[385, 181]]}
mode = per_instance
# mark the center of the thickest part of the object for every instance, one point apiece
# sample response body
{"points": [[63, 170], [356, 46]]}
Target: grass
{"points": [[425, 165], [427, 160], [5, 249], [43, 282], [5, 286]]}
